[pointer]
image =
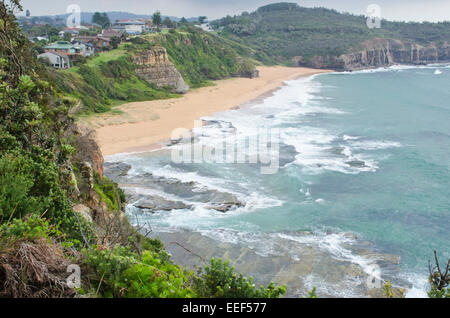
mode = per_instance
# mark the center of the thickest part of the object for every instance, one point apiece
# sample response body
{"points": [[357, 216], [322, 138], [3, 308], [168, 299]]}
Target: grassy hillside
{"points": [[285, 30], [109, 79], [106, 80], [202, 57]]}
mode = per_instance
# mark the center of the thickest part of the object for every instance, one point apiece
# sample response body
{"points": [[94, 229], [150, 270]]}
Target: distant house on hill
{"points": [[99, 42], [71, 49], [56, 60], [88, 48], [75, 31], [110, 33], [42, 38], [64, 48], [205, 27], [133, 27]]}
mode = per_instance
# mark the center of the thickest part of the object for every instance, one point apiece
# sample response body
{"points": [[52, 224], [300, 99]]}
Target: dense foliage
{"points": [[100, 84], [101, 19], [40, 234], [202, 57], [220, 281], [122, 273], [32, 145], [285, 30]]}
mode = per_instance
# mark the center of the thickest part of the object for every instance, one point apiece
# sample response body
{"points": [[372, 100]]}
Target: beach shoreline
{"points": [[148, 125]]}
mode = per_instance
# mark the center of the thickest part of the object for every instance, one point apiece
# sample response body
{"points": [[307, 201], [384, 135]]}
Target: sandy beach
{"points": [[146, 125]]}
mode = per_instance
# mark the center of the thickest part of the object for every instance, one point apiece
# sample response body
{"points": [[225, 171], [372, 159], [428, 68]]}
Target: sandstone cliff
{"points": [[379, 53], [155, 67]]}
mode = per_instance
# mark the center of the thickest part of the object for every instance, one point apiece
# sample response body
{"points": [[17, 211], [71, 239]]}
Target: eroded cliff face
{"points": [[385, 52], [155, 67], [382, 52]]}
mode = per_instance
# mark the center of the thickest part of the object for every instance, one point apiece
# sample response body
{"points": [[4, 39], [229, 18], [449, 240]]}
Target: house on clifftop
{"points": [[56, 60]]}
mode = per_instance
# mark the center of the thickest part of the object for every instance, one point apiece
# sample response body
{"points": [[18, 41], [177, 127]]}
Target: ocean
{"points": [[362, 190]]}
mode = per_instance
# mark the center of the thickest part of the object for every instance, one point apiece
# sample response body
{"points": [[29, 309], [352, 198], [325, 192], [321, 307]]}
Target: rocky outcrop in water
{"points": [[380, 53], [186, 191], [115, 170], [157, 203], [154, 66], [300, 266]]}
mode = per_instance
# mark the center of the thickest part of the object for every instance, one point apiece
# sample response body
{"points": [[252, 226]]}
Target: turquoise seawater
{"points": [[367, 153]]}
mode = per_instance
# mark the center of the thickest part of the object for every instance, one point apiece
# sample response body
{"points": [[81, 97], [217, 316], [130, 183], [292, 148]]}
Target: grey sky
{"points": [[409, 10]]}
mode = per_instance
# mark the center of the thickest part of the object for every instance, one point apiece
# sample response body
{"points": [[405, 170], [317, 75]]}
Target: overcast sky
{"points": [[409, 10]]}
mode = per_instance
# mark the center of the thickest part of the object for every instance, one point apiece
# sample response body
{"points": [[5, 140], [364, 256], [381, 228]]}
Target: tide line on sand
{"points": [[143, 126]]}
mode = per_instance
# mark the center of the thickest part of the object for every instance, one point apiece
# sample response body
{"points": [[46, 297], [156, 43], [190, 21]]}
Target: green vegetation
{"points": [[439, 279], [109, 78], [285, 30], [101, 19], [109, 192], [40, 234], [157, 19], [105, 80], [202, 57], [220, 281]]}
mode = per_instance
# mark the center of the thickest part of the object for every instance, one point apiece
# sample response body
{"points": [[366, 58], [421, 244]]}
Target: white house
{"points": [[134, 27], [42, 38], [56, 60], [205, 27], [88, 49]]}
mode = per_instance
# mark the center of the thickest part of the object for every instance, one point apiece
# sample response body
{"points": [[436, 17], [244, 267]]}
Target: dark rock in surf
{"points": [[357, 164], [156, 203], [114, 170]]}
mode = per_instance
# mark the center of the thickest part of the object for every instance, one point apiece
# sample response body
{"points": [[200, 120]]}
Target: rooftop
{"points": [[130, 22], [61, 45]]}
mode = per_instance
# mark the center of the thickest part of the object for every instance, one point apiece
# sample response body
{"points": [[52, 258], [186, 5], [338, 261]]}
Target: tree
{"points": [[202, 19], [439, 279], [67, 37], [106, 22], [219, 280], [101, 19], [157, 19], [184, 21], [115, 41], [169, 23], [96, 18]]}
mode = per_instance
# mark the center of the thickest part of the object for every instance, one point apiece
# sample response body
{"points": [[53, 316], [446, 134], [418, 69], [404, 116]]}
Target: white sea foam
{"points": [[393, 68], [334, 244], [293, 102], [325, 288], [419, 283], [346, 137], [374, 144]]}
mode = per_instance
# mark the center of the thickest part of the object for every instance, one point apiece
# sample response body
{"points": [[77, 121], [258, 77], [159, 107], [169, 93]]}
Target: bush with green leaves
{"points": [[202, 57], [29, 228], [110, 192], [119, 272], [100, 85], [219, 280], [439, 279], [30, 185], [33, 150]]}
